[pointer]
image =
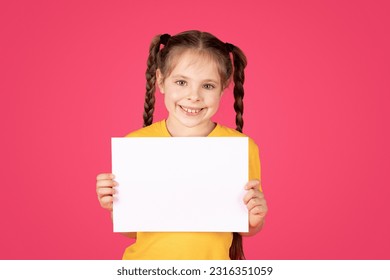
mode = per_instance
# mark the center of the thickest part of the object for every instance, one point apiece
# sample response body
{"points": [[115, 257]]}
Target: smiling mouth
{"points": [[191, 110]]}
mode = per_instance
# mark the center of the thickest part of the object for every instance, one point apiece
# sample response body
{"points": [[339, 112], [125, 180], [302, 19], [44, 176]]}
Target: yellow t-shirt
{"points": [[187, 245]]}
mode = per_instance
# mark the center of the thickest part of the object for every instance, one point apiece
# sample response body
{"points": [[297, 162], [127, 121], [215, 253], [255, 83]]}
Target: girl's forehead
{"points": [[195, 63]]}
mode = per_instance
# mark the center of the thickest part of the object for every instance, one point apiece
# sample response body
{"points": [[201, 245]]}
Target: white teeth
{"points": [[192, 111]]}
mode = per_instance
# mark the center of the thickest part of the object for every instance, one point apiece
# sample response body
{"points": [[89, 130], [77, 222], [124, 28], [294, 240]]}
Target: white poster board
{"points": [[180, 184]]}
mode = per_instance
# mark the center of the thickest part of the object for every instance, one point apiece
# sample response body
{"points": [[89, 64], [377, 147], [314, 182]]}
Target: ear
{"points": [[225, 87], [160, 80]]}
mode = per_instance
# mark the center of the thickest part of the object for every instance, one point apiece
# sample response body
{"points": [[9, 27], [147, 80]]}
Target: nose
{"points": [[193, 94]]}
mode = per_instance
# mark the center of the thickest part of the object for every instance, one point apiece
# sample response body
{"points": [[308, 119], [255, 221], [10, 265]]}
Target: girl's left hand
{"points": [[256, 203]]}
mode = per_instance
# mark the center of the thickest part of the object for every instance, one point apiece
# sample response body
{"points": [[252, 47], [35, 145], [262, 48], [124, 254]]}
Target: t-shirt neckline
{"points": [[166, 132]]}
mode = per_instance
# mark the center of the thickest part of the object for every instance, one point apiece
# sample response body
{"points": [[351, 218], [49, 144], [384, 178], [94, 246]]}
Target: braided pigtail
{"points": [[151, 77], [236, 251], [239, 62]]}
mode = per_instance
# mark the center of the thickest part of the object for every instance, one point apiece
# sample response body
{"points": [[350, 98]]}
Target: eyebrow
{"points": [[187, 78]]}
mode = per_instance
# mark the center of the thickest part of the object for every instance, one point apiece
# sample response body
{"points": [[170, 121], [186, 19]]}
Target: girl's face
{"points": [[192, 93]]}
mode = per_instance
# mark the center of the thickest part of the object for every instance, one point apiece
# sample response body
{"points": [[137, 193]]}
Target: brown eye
{"points": [[181, 83], [209, 86]]}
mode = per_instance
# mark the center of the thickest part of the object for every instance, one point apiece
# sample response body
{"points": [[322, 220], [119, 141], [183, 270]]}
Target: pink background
{"points": [[317, 104]]}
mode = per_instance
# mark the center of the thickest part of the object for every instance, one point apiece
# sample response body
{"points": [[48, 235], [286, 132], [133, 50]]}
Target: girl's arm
{"points": [[105, 189], [257, 207]]}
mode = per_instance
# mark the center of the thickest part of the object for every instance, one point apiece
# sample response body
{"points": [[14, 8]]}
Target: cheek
{"points": [[214, 100], [171, 99], [173, 93]]}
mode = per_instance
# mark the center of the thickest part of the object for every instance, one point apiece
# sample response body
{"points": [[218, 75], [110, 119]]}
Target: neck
{"points": [[178, 130]]}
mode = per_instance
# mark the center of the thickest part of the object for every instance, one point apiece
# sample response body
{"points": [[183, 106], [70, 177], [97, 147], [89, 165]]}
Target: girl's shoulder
{"points": [[154, 130], [224, 131], [221, 130]]}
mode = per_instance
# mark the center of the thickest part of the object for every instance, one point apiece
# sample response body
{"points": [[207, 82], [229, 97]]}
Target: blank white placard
{"points": [[180, 184]]}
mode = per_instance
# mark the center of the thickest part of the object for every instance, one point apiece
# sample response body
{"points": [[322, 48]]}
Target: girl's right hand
{"points": [[105, 189]]}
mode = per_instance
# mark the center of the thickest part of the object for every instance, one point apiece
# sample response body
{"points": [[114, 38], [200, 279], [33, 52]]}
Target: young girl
{"points": [[191, 70]]}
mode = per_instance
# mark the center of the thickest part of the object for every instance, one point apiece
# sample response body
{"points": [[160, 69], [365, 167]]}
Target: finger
{"points": [[256, 200], [105, 176], [253, 203], [106, 201], [253, 193], [106, 183], [107, 206], [259, 210], [105, 191], [253, 184], [249, 195]]}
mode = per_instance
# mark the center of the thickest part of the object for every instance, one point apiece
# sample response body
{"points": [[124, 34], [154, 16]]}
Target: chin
{"points": [[190, 124]]}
